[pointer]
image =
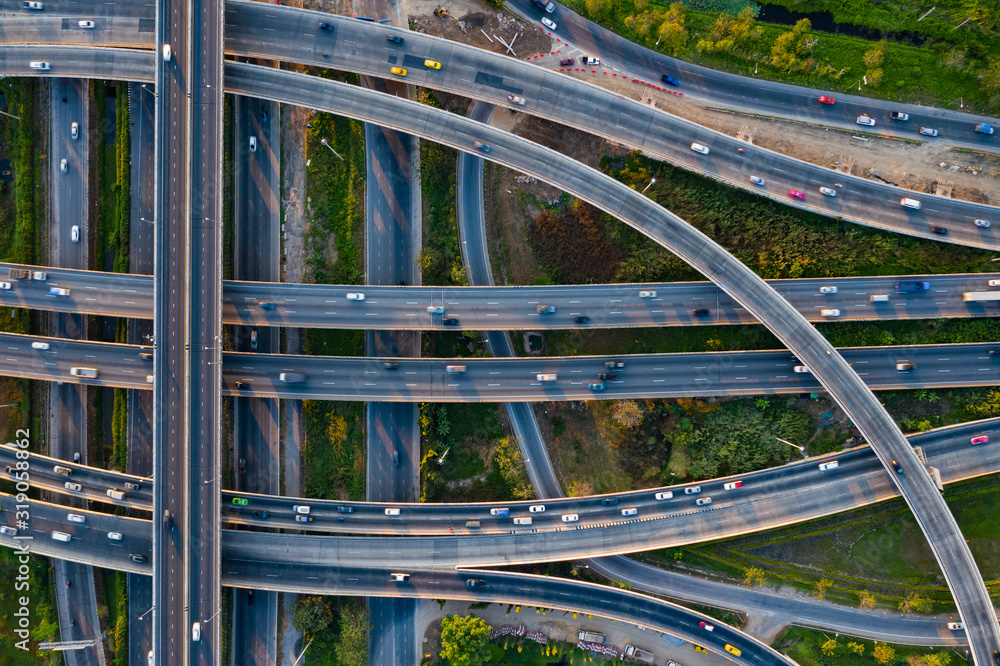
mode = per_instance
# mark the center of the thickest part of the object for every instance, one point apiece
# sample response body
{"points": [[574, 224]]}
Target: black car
{"points": [[449, 321], [614, 365], [326, 26], [395, 39], [940, 231], [896, 466], [240, 385], [250, 597], [136, 557], [608, 375], [581, 320], [390, 365], [700, 312], [995, 352], [996, 656], [259, 514], [609, 501], [263, 113]]}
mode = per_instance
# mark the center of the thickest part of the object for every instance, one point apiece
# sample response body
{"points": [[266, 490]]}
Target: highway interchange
{"points": [[818, 362]]}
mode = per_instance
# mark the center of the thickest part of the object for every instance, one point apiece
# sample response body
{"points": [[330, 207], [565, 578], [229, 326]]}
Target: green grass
{"points": [[116, 601], [42, 622], [441, 258], [334, 449], [804, 646]]}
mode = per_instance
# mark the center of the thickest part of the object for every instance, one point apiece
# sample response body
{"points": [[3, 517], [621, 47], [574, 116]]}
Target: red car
{"points": [[982, 439], [566, 62], [706, 626], [796, 194], [826, 100]]}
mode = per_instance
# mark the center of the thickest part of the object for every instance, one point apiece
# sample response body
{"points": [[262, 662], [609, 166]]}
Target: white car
{"points": [[664, 495], [801, 368], [75, 487], [732, 485], [301, 508], [392, 511], [828, 290], [993, 283], [864, 119], [828, 192], [32, 5], [115, 536], [570, 517], [982, 223], [537, 508], [956, 626], [76, 518], [698, 148], [355, 296], [702, 501], [399, 577], [4, 285], [692, 490], [63, 165], [149, 658], [87, 25], [548, 23], [74, 233], [196, 632], [832, 312], [166, 53], [74, 130], [756, 180], [546, 378], [435, 309], [833, 464], [35, 64], [253, 144], [647, 294], [9, 531], [590, 60], [631, 511], [516, 100], [40, 345]]}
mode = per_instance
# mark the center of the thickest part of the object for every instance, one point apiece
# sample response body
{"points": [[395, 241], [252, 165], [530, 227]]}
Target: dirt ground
{"points": [[485, 30]]}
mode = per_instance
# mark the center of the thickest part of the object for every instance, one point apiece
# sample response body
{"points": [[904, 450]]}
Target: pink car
{"points": [[982, 439], [796, 194]]}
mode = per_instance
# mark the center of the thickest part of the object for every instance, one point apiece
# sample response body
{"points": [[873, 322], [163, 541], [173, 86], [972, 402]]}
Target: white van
{"points": [[910, 203], [878, 298], [545, 378], [454, 369], [89, 373], [523, 521], [833, 464], [61, 536], [116, 494], [392, 511]]}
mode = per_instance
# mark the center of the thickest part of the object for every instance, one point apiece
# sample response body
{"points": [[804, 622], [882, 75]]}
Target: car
{"points": [[399, 577], [355, 296], [549, 23], [476, 582], [865, 119], [825, 99], [692, 490], [4, 285], [167, 53], [435, 309], [706, 626], [449, 321], [940, 231], [590, 60], [86, 25], [609, 501], [698, 148], [993, 283], [149, 658], [607, 375], [9, 531], [756, 180], [40, 345], [300, 508], [433, 64], [390, 365], [581, 320], [482, 146], [34, 64], [631, 511], [614, 365], [75, 487], [828, 192], [63, 165], [570, 517], [905, 366], [263, 113], [982, 223], [669, 79], [831, 312], [345, 509], [896, 466], [647, 294], [546, 377], [9, 469], [517, 521], [303, 519], [703, 501], [928, 131], [956, 626], [828, 290], [996, 657], [239, 385], [74, 233], [259, 514], [565, 62], [454, 369], [735, 651], [166, 518], [398, 71], [253, 340], [395, 458], [982, 439], [700, 312], [31, 5], [76, 518], [664, 495], [732, 485], [59, 469], [74, 130], [392, 511], [136, 557], [196, 632], [802, 369], [795, 194], [596, 386], [326, 26], [115, 536], [131, 486], [833, 464], [240, 501], [395, 39], [546, 309], [253, 144], [516, 100]]}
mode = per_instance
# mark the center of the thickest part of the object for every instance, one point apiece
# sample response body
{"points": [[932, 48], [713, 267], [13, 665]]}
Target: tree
{"points": [[883, 653], [822, 585], [580, 488], [874, 56], [829, 647], [508, 458], [672, 34], [914, 603], [866, 599], [337, 430], [311, 615], [856, 648], [730, 33], [789, 48], [627, 413], [352, 644], [464, 640], [753, 577]]}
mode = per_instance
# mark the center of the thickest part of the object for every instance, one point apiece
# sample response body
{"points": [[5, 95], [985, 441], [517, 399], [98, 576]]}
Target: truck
{"points": [[899, 115], [590, 637], [545, 4], [981, 296], [472, 523], [18, 274], [981, 128], [906, 285], [641, 656], [292, 377]]}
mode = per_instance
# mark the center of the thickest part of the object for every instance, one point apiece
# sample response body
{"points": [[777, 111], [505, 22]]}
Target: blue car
{"points": [[596, 387], [669, 79]]}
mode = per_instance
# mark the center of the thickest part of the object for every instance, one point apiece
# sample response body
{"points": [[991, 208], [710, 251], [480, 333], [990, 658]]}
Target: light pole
{"points": [[324, 142], [801, 449], [648, 186], [303, 652]]}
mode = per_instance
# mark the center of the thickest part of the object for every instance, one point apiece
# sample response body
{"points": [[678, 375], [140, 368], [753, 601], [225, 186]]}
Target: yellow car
{"points": [[433, 64], [398, 71], [733, 650]]}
